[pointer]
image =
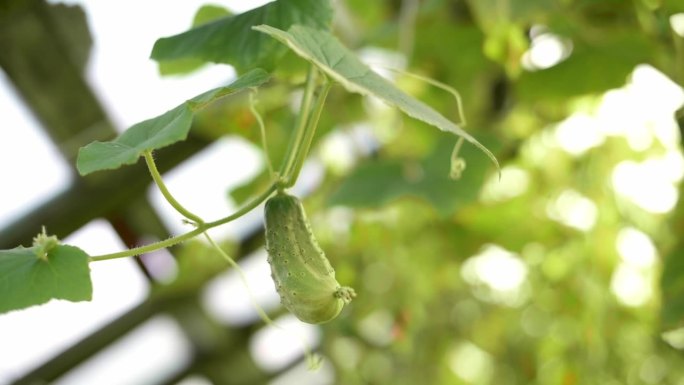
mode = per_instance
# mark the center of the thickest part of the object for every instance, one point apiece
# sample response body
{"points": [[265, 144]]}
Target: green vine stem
{"points": [[165, 191], [300, 127], [309, 134], [202, 227]]}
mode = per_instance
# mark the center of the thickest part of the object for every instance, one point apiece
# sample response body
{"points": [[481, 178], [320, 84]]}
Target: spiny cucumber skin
{"points": [[303, 277]]}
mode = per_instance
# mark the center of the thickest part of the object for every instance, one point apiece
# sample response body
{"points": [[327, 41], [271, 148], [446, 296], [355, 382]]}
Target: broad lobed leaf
{"points": [[230, 40], [26, 280], [327, 53], [170, 127]]}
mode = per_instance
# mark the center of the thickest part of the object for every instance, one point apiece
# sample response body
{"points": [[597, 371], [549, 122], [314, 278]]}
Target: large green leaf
{"points": [[328, 54], [377, 183], [27, 280], [170, 127], [230, 40]]}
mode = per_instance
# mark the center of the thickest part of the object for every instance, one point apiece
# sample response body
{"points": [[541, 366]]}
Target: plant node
{"points": [[43, 243]]}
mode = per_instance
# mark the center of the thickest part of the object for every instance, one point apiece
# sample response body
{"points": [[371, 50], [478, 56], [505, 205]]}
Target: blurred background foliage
{"points": [[567, 268], [548, 274]]}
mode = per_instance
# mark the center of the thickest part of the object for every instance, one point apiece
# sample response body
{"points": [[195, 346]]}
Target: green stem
{"points": [[165, 191], [246, 208], [308, 134], [199, 230], [300, 127], [151, 247]]}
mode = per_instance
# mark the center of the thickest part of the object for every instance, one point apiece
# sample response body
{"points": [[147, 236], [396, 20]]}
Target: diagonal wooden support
{"points": [[43, 50]]}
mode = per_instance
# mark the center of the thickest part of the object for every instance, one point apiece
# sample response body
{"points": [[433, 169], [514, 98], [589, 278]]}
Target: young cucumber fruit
{"points": [[302, 274]]}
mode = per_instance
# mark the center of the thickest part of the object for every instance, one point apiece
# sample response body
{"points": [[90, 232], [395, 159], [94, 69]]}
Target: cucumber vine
{"points": [[329, 63]]}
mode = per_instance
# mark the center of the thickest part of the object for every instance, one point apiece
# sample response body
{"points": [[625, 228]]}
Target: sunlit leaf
{"points": [[230, 40], [27, 280], [328, 54], [170, 127]]}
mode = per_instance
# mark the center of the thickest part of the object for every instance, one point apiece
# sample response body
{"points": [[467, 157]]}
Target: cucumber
{"points": [[302, 275]]}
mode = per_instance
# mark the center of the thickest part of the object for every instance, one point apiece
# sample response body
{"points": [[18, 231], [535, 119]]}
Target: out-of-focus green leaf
{"points": [[461, 59], [27, 280], [204, 15], [672, 286], [589, 69], [377, 183], [328, 54], [673, 6], [244, 192], [230, 40], [492, 13], [171, 127], [371, 185]]}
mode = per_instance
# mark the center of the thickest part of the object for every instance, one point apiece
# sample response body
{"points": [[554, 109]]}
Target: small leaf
{"points": [[27, 280], [327, 53], [230, 40], [170, 127]]}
